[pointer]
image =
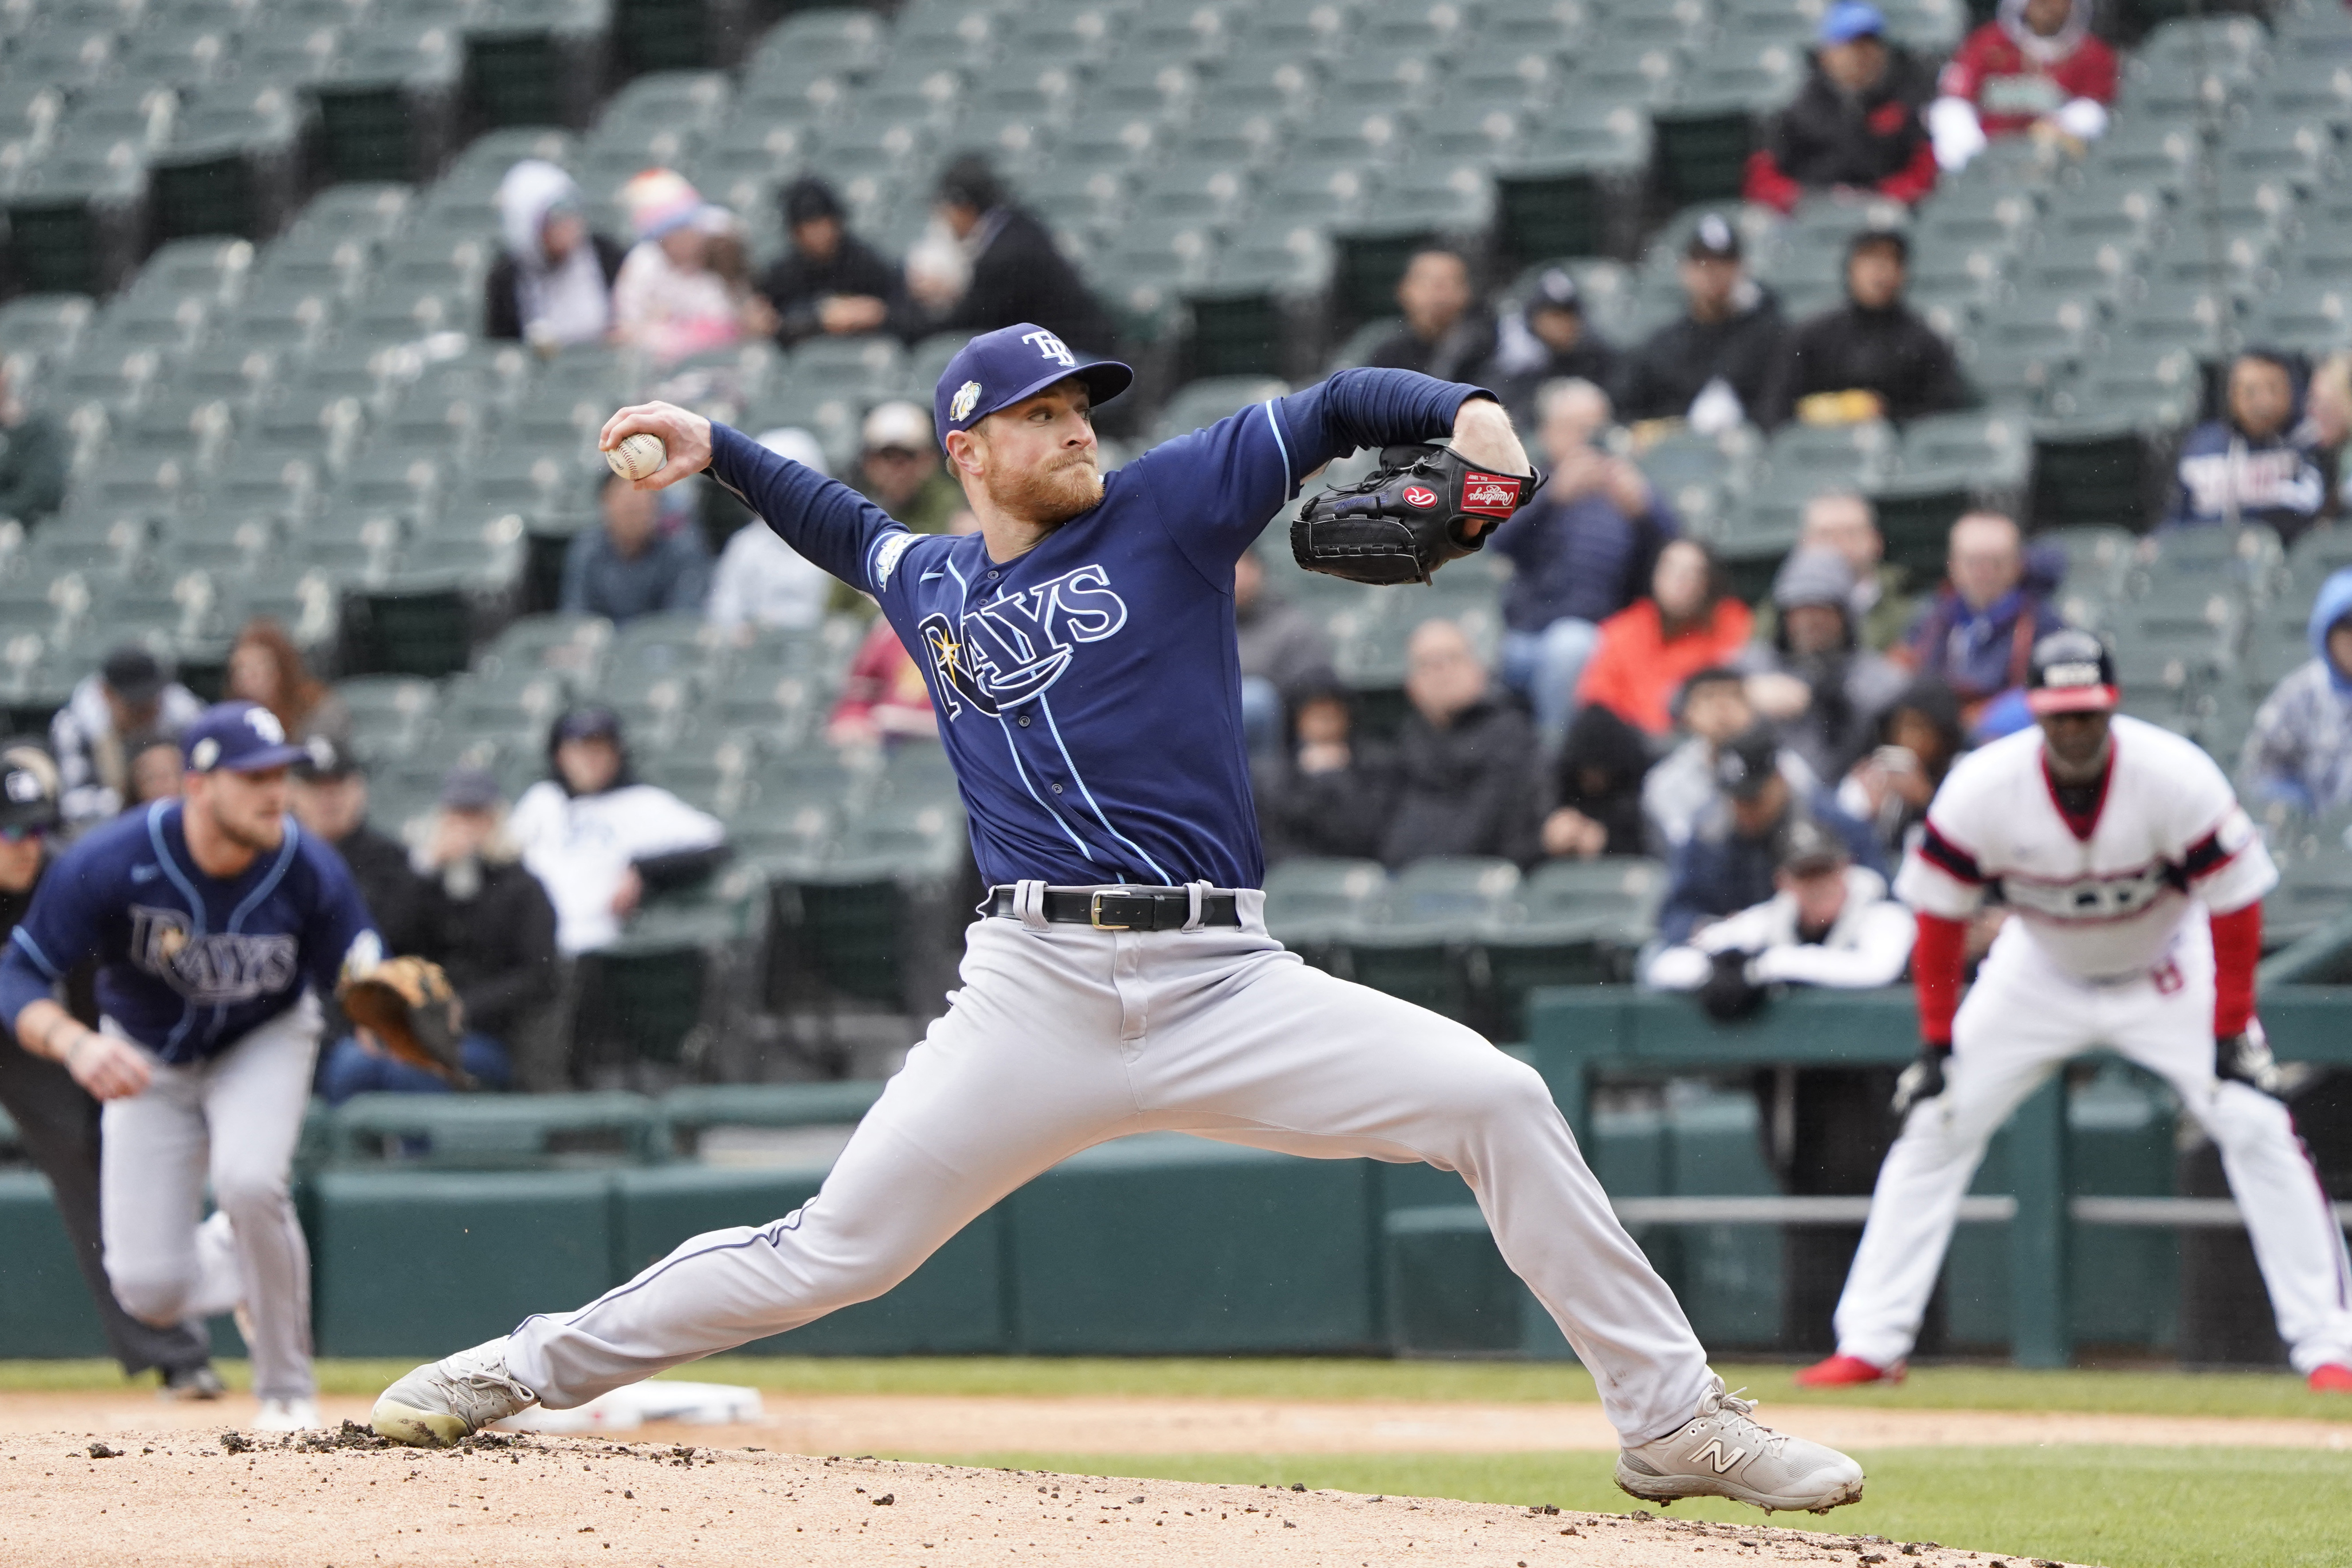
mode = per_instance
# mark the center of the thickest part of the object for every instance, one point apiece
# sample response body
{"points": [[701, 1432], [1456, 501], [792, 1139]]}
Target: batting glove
{"points": [[2246, 1057], [1923, 1079]]}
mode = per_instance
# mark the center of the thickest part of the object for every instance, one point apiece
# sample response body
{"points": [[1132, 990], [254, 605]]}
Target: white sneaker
{"points": [[443, 1402], [288, 1415], [1723, 1451]]}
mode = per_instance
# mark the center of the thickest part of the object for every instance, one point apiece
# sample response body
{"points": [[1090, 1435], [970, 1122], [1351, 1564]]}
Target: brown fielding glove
{"points": [[409, 1005], [1407, 518]]}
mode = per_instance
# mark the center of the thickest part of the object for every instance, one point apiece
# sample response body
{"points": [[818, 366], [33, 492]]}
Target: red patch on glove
{"points": [[1495, 495]]}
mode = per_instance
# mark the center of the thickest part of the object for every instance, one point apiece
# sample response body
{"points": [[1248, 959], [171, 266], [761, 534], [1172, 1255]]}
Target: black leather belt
{"points": [[1120, 908]]}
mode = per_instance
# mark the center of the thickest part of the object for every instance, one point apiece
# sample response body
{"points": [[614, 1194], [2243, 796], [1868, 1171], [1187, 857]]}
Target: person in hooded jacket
{"points": [[1714, 365], [2299, 753], [1873, 344], [1596, 789], [1466, 783], [598, 840], [2247, 466], [1920, 736], [2033, 69], [1855, 125], [831, 282], [1018, 273], [551, 285], [1821, 692], [1329, 791]]}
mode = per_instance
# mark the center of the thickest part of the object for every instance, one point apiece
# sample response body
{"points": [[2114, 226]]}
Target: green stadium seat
{"points": [[496, 1131], [388, 100], [2141, 383], [841, 40], [2312, 90]]}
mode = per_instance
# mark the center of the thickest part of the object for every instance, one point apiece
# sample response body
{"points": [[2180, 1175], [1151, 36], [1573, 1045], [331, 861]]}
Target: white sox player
{"points": [[2135, 883], [1080, 653]]}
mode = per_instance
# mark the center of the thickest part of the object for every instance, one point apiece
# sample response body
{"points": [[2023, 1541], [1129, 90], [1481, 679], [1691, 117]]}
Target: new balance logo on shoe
{"points": [[1714, 1454]]}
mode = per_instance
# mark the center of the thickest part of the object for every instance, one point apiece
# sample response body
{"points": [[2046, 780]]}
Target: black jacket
{"points": [[1020, 276], [498, 945], [1467, 789], [1590, 360], [503, 310], [1343, 814], [796, 283], [379, 865], [1458, 353], [1661, 376], [1603, 760], [1890, 353], [1827, 136]]}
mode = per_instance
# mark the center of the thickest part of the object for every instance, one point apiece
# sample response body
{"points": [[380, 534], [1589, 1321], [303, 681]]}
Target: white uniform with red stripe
{"points": [[2109, 945]]}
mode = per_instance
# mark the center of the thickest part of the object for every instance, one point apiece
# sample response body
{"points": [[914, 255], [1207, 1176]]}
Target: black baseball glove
{"points": [[2246, 1059], [1407, 518], [1728, 995], [1923, 1079]]}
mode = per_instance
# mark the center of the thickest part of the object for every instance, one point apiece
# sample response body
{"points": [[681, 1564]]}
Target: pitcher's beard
{"points": [[1050, 496]]}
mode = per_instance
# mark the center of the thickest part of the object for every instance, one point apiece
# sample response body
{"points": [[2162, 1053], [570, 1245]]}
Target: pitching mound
{"points": [[347, 1500]]}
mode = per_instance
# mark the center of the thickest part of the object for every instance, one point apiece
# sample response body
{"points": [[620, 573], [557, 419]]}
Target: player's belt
{"points": [[1120, 908]]}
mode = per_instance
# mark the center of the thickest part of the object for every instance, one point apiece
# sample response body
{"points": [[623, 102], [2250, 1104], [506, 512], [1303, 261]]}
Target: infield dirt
{"points": [[346, 1501]]}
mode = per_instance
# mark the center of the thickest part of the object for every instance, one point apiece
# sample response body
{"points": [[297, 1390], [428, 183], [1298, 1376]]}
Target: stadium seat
{"points": [[496, 1131]]}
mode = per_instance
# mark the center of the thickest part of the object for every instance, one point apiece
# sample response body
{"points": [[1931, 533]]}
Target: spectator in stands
{"points": [[551, 285], [1329, 792], [832, 282], [2326, 431], [598, 840], [155, 770], [667, 299], [1465, 776], [1690, 620], [2246, 466], [883, 698], [1871, 357], [1017, 273], [1546, 339], [1919, 738], [1812, 681], [1829, 922], [265, 666], [2034, 69], [760, 580], [899, 468], [1729, 861], [2299, 754], [634, 565], [1713, 709], [129, 695], [1715, 365], [1845, 523], [329, 799], [1281, 649], [487, 921], [1580, 553], [1978, 633], [33, 452], [1596, 789], [1447, 334], [1855, 125]]}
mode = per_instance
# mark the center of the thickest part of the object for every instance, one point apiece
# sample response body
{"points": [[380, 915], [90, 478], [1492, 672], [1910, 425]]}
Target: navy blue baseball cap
{"points": [[237, 738], [998, 369]]}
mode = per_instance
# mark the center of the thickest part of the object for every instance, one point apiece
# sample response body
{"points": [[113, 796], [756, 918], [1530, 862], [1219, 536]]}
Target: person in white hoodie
{"points": [[552, 284], [130, 695], [598, 840], [761, 581]]}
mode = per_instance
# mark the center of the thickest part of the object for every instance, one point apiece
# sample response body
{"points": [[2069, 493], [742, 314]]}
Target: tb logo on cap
{"points": [[1050, 346]]}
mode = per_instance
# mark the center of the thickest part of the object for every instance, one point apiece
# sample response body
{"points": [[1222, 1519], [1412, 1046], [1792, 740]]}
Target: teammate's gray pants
{"points": [[1063, 1038], [234, 1119]]}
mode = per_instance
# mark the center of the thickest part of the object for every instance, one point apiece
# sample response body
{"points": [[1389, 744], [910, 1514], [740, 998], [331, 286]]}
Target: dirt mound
{"points": [[344, 1497]]}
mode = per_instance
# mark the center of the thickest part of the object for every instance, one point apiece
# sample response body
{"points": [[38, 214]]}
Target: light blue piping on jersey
{"points": [[1075, 777], [195, 907], [1289, 482], [23, 939], [268, 883]]}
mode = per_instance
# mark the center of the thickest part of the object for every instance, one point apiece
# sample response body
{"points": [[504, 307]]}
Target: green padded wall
{"points": [[423, 1263], [1167, 1245], [1449, 1292], [45, 1309], [953, 1305]]}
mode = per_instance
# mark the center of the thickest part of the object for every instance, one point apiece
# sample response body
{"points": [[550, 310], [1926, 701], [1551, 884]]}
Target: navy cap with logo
{"points": [[1712, 240], [998, 369], [1748, 763], [28, 790], [237, 738]]}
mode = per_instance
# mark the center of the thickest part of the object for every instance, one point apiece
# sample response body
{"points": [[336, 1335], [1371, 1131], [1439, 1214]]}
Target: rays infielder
{"points": [[2135, 883], [1080, 652], [216, 923]]}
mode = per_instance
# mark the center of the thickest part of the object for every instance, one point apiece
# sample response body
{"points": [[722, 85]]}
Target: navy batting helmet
{"points": [[2072, 672]]}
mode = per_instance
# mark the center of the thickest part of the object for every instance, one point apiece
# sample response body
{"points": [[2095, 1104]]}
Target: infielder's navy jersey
{"points": [[1088, 692], [189, 964]]}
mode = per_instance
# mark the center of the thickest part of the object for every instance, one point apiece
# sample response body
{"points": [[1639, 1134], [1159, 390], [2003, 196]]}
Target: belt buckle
{"points": [[1095, 913]]}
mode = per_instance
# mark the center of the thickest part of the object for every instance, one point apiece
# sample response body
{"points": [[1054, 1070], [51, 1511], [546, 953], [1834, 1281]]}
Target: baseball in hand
{"points": [[638, 457]]}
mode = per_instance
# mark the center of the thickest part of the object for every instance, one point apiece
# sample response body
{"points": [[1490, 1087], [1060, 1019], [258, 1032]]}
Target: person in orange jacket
{"points": [[1691, 620]]}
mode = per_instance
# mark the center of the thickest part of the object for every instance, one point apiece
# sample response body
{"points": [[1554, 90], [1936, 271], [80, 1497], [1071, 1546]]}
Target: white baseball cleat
{"points": [[443, 1402], [1723, 1451], [288, 1415]]}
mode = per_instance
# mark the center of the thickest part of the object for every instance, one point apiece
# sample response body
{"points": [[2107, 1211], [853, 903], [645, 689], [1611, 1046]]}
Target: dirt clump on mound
{"points": [[347, 1498]]}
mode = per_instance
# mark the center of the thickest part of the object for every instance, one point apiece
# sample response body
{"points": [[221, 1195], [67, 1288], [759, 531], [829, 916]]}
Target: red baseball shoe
{"points": [[1840, 1371], [2333, 1378]]}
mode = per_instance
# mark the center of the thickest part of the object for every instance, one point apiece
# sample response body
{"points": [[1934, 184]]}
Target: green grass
{"points": [[2121, 1507], [2126, 1392]]}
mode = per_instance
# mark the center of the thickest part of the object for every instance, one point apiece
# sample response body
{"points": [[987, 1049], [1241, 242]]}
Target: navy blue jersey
{"points": [[1088, 691], [189, 963]]}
